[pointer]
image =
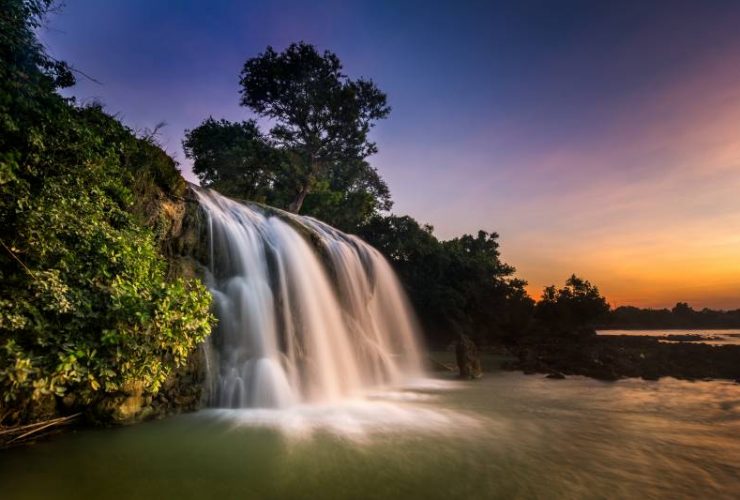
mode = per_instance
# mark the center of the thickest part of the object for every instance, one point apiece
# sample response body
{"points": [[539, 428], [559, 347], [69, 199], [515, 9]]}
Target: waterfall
{"points": [[306, 313]]}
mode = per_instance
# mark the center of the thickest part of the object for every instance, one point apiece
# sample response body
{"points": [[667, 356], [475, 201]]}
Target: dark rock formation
{"points": [[614, 357], [185, 389], [468, 360]]}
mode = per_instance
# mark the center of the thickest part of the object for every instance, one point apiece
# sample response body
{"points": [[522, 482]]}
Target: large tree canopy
{"points": [[568, 309], [233, 158], [313, 159], [457, 286], [322, 117], [237, 160]]}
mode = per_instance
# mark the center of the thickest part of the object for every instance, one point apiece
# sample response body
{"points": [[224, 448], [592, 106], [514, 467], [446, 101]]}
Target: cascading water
{"points": [[306, 313]]}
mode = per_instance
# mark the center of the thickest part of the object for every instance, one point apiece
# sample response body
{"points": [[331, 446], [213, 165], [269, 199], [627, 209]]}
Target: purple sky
{"points": [[599, 138]]}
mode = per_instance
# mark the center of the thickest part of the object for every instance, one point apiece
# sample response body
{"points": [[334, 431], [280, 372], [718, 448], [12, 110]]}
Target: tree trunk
{"points": [[297, 203]]}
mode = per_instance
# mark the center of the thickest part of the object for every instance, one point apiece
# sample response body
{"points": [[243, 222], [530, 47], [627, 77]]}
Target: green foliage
{"points": [[322, 117], [234, 158], [313, 159], [238, 161], [458, 286], [350, 195], [575, 306], [85, 309]]}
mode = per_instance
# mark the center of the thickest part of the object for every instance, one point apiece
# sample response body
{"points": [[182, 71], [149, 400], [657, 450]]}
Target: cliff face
{"points": [[177, 222], [184, 244]]}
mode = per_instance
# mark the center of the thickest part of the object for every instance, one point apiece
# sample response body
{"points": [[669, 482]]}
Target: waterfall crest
{"points": [[306, 313]]}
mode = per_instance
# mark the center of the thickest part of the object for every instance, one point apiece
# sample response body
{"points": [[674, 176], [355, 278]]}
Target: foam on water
{"points": [[307, 315], [381, 413]]}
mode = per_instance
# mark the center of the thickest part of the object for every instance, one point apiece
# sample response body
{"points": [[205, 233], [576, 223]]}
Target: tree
{"points": [[459, 286], [351, 194], [571, 308], [233, 158], [239, 161], [322, 117], [681, 316], [683, 310]]}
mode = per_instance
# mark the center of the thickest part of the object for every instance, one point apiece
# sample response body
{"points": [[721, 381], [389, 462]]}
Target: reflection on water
{"points": [[506, 436], [713, 337]]}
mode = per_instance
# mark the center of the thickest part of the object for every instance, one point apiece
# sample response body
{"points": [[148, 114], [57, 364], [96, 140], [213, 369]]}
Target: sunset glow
{"points": [[600, 139], [370, 249]]}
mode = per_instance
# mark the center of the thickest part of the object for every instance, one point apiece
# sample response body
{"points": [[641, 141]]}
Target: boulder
{"points": [[468, 359]]}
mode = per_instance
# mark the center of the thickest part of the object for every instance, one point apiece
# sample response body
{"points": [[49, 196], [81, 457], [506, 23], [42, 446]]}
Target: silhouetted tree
{"points": [[313, 158], [234, 158], [347, 197], [571, 308], [683, 311], [458, 286], [322, 118]]}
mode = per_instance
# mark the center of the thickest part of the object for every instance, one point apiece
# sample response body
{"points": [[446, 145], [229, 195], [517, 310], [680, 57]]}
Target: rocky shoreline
{"points": [[622, 356]]}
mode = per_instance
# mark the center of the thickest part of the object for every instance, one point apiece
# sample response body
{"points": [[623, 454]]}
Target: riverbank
{"points": [[614, 357]]}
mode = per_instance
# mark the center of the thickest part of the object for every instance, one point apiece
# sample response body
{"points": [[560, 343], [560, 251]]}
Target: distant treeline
{"points": [[680, 316]]}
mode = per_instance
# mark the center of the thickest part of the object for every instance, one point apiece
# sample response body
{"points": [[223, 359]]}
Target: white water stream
{"points": [[307, 314]]}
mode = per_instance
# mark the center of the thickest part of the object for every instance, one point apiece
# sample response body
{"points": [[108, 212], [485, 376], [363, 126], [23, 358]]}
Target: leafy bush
{"points": [[85, 307]]}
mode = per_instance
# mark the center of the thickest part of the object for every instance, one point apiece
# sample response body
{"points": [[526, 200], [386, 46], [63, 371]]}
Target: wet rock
{"points": [[123, 407], [42, 408], [610, 358], [468, 359], [185, 388]]}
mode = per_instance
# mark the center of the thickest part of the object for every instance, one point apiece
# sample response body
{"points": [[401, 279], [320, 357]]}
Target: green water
{"points": [[506, 436]]}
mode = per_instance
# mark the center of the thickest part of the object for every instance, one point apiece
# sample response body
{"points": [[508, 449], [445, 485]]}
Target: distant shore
{"points": [[612, 357], [666, 329]]}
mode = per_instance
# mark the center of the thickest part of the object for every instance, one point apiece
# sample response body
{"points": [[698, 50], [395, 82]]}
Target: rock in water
{"points": [[468, 360]]}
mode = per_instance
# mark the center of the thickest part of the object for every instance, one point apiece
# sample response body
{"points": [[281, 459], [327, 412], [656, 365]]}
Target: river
{"points": [[508, 435]]}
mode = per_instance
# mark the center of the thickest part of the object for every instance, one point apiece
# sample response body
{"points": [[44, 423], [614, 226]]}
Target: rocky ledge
{"points": [[621, 356]]}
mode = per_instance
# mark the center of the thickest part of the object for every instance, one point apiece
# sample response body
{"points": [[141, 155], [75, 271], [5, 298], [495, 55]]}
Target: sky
{"points": [[597, 138]]}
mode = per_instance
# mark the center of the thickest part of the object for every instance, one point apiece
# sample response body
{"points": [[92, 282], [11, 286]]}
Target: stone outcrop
{"points": [[611, 357], [176, 221], [468, 359]]}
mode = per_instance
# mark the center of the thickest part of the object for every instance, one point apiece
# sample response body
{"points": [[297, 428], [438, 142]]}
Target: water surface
{"points": [[506, 436], [713, 337]]}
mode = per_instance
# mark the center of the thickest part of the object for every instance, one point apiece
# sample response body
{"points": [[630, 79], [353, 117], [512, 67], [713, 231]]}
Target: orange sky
{"points": [[616, 157], [661, 220], [597, 138], [647, 206]]}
